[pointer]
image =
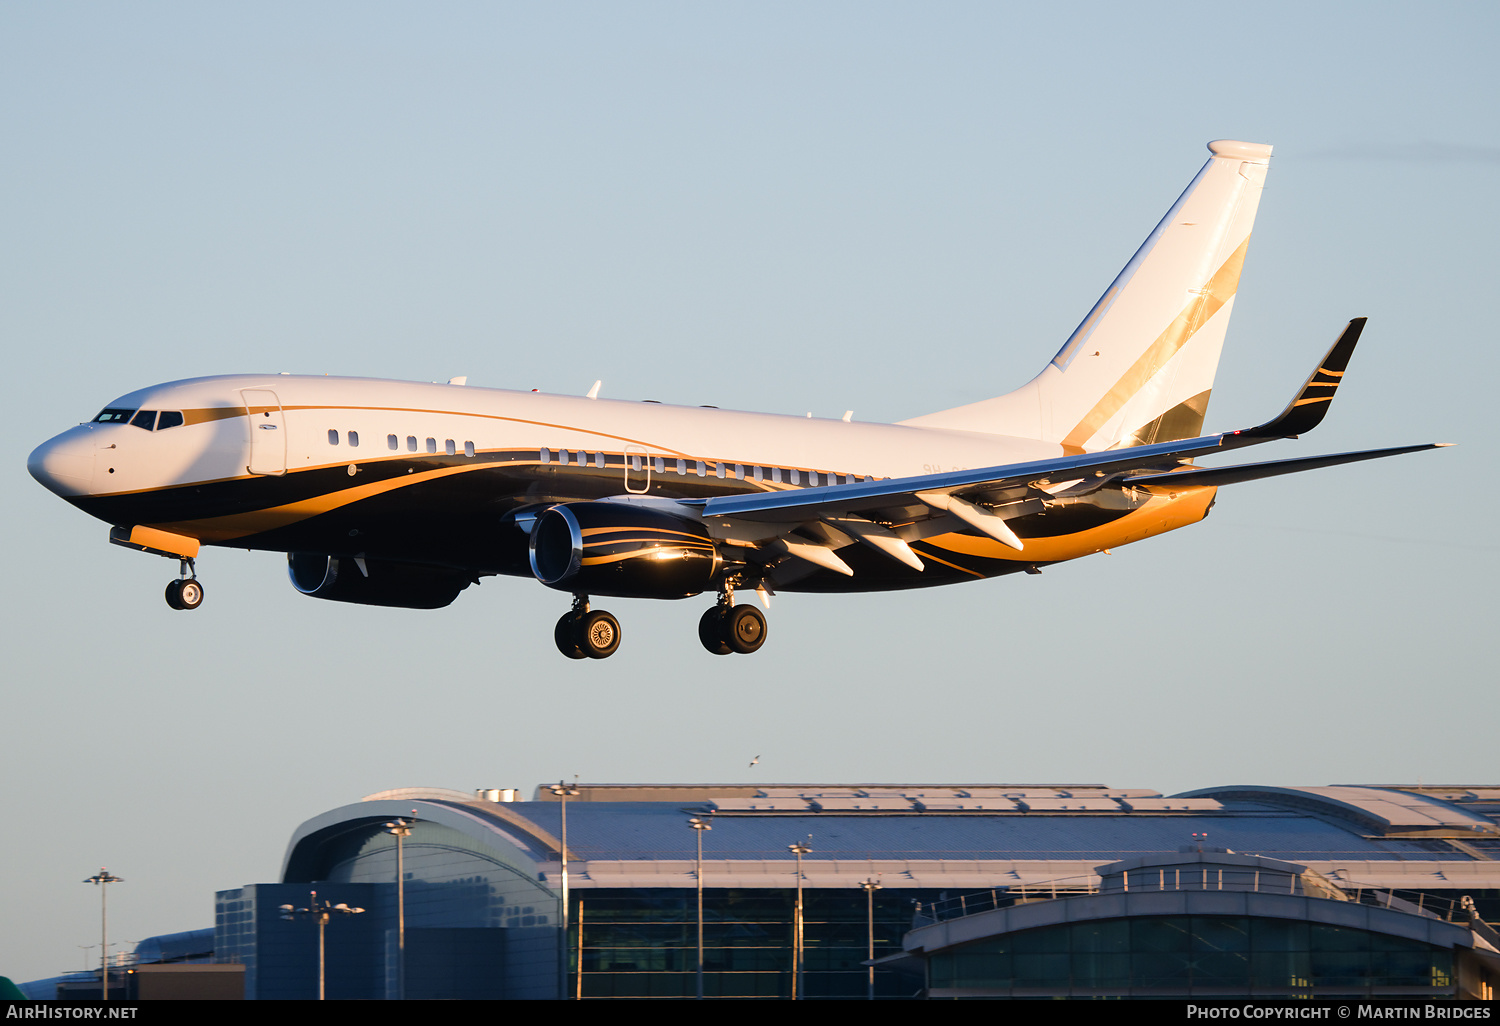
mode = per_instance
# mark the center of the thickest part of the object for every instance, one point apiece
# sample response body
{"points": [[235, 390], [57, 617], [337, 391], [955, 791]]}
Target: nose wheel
{"points": [[185, 592], [585, 633]]}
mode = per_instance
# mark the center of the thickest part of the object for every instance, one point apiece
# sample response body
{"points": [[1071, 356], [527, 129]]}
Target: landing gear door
{"points": [[267, 432], [637, 470]]}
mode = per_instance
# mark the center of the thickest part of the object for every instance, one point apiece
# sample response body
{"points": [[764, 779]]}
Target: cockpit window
{"points": [[145, 419], [168, 418], [113, 416]]}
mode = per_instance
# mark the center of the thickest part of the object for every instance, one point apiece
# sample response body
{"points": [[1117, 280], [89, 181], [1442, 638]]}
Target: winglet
{"points": [[1307, 410]]}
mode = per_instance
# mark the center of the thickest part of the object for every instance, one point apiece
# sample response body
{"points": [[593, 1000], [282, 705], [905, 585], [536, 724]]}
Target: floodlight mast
{"points": [[102, 880], [871, 885], [320, 913], [563, 792], [401, 829], [699, 826], [799, 849]]}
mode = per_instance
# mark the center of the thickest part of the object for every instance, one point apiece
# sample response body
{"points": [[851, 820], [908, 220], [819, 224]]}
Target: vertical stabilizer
{"points": [[1140, 367]]}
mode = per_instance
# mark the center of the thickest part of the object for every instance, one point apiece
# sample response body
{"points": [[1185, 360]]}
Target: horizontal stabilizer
{"points": [[1307, 410], [1256, 471]]}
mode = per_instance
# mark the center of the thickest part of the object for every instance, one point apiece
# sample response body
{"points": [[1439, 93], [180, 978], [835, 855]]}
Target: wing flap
{"points": [[986, 484], [889, 514]]}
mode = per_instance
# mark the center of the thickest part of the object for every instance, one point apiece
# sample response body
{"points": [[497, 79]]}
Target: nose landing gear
{"points": [[585, 633], [186, 592]]}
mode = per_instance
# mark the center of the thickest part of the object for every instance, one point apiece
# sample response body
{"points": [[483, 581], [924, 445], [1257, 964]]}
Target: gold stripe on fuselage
{"points": [[925, 555], [242, 525]]}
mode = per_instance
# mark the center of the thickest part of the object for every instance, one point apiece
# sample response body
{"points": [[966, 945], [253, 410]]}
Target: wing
{"points": [[811, 523]]}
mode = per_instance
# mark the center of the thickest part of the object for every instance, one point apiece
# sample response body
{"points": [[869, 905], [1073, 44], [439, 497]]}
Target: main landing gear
{"points": [[185, 592], [726, 627], [585, 633]]}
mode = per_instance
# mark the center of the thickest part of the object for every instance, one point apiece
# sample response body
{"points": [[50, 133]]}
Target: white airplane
{"points": [[403, 494]]}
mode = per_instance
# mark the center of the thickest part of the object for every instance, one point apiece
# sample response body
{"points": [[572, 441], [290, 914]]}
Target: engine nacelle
{"points": [[618, 548], [406, 585]]}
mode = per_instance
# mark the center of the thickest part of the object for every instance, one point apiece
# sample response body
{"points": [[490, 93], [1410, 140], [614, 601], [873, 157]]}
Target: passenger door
{"points": [[267, 432], [637, 470]]}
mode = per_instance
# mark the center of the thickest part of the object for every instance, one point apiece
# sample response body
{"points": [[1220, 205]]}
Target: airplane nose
{"points": [[65, 464]]}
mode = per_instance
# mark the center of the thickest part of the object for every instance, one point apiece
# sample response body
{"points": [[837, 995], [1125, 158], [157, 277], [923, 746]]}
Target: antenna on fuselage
{"points": [[593, 393]]}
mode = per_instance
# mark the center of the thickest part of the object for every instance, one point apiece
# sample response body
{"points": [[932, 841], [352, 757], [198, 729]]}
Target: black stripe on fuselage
{"points": [[461, 520], [520, 468]]}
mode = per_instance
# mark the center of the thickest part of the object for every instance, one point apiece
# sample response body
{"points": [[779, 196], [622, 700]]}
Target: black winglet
{"points": [[1307, 410]]}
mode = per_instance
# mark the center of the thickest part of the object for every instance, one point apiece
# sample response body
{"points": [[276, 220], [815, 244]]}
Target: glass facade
{"points": [[1182, 954], [452, 880], [643, 942]]}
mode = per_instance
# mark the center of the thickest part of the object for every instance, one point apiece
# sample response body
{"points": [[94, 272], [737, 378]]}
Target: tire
{"points": [[174, 594], [189, 594], [565, 635], [710, 631], [598, 634], [744, 629]]}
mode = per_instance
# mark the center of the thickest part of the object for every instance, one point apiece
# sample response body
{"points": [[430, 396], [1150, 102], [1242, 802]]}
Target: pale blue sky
{"points": [[893, 208]]}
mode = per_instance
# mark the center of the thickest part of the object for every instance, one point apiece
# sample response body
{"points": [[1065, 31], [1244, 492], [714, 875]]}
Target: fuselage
{"points": [[436, 473]]}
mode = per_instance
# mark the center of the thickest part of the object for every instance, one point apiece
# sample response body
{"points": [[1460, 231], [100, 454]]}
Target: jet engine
{"points": [[616, 548], [383, 583]]}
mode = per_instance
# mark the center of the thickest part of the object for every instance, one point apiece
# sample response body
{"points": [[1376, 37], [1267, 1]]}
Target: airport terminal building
{"points": [[958, 891]]}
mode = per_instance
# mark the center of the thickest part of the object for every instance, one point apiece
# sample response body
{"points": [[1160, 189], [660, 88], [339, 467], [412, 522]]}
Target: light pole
{"points": [[699, 826], [401, 829], [321, 914], [871, 885], [799, 849], [102, 880], [564, 792]]}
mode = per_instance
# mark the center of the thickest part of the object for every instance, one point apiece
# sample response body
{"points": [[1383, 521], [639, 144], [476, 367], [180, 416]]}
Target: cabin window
{"points": [[411, 443], [635, 462], [392, 442], [449, 447], [546, 457], [701, 468], [432, 445], [661, 465], [760, 473], [114, 417], [468, 448], [333, 436], [776, 475], [682, 466], [168, 419], [599, 460], [145, 419], [562, 456], [796, 476], [354, 439]]}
